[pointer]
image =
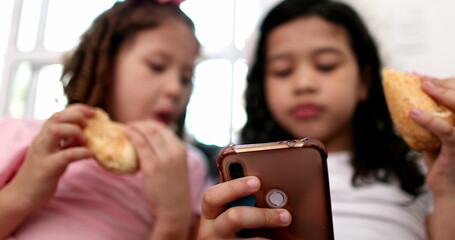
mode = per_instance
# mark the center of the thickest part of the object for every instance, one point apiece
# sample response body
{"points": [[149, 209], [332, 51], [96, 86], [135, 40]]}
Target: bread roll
{"points": [[112, 149], [404, 92]]}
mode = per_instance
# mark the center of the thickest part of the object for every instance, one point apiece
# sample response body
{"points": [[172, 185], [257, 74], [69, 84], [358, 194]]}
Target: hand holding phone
{"points": [[293, 176]]}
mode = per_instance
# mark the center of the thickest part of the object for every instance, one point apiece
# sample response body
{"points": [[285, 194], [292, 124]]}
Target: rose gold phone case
{"points": [[293, 173]]}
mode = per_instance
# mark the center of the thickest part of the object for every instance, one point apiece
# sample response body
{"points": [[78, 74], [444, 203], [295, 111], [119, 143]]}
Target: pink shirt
{"points": [[90, 202]]}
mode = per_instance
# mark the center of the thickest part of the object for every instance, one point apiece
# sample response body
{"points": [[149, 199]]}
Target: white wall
{"points": [[413, 35]]}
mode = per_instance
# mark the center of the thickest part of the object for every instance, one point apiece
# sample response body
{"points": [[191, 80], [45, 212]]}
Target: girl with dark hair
{"points": [[136, 62], [317, 74]]}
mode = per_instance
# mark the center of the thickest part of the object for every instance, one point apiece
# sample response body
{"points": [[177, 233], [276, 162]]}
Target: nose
{"points": [[173, 86], [305, 80]]}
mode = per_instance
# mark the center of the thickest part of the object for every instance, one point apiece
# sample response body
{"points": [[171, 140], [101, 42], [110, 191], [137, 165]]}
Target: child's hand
{"points": [[163, 162], [219, 222], [59, 142], [441, 163]]}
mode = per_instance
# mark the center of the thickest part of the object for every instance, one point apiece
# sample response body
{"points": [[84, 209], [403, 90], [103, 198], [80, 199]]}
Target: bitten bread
{"points": [[112, 149], [404, 92]]}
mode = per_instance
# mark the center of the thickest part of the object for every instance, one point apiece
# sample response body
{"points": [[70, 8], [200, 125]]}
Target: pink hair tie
{"points": [[176, 2]]}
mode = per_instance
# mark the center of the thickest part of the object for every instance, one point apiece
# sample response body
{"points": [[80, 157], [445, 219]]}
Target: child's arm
{"points": [[441, 163], [163, 160], [14, 208], [219, 222], [56, 145]]}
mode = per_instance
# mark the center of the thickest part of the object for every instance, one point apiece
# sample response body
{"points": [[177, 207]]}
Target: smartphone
{"points": [[293, 176]]}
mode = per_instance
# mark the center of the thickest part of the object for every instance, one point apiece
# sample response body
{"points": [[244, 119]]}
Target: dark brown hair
{"points": [[87, 71]]}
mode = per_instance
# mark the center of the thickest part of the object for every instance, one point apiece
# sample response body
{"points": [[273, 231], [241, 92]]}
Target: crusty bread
{"points": [[112, 149], [404, 92]]}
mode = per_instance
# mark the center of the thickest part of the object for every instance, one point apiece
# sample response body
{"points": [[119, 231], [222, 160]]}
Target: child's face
{"points": [[153, 74], [312, 81]]}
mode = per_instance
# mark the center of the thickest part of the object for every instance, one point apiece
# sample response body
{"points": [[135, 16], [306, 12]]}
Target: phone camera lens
{"points": [[236, 170]]}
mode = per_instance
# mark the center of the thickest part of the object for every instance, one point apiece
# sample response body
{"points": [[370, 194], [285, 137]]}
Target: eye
{"points": [[186, 81], [282, 73], [326, 67], [156, 67]]}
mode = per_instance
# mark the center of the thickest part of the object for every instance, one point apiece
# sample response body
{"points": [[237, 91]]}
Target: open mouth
{"points": [[164, 117]]}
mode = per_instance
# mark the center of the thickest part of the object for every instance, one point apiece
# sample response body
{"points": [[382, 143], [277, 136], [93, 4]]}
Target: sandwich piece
{"points": [[404, 92]]}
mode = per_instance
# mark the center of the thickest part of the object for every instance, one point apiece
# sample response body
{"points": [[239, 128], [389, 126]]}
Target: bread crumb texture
{"points": [[403, 92]]}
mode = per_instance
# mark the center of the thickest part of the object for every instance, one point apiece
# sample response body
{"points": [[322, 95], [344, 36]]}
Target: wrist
{"points": [[443, 194], [171, 228], [13, 210], [444, 200], [12, 200], [441, 223], [174, 212]]}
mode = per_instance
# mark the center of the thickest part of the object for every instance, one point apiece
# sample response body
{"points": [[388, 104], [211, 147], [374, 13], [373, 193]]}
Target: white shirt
{"points": [[373, 211]]}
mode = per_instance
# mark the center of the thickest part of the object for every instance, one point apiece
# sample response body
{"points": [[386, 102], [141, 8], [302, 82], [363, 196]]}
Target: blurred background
{"points": [[413, 35]]}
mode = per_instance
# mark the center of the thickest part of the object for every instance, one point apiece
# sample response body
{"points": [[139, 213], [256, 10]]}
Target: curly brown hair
{"points": [[87, 71]]}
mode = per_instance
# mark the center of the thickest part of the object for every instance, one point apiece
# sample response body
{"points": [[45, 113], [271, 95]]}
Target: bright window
{"points": [[19, 93], [49, 96], [209, 110], [65, 23], [28, 25]]}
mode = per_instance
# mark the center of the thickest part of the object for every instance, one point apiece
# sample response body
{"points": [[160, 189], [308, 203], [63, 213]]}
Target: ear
{"points": [[364, 84]]}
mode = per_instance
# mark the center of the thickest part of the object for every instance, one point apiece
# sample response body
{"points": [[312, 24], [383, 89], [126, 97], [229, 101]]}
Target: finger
{"points": [[429, 157], [149, 146], [157, 136], [217, 197], [442, 90], [141, 144], [148, 133], [238, 218], [162, 141], [169, 145], [61, 135], [61, 159], [165, 139], [439, 127], [76, 114], [448, 83]]}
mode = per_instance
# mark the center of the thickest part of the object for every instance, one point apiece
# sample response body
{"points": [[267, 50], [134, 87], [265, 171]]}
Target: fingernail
{"points": [[253, 183], [428, 83], [415, 112], [90, 110], [285, 217]]}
